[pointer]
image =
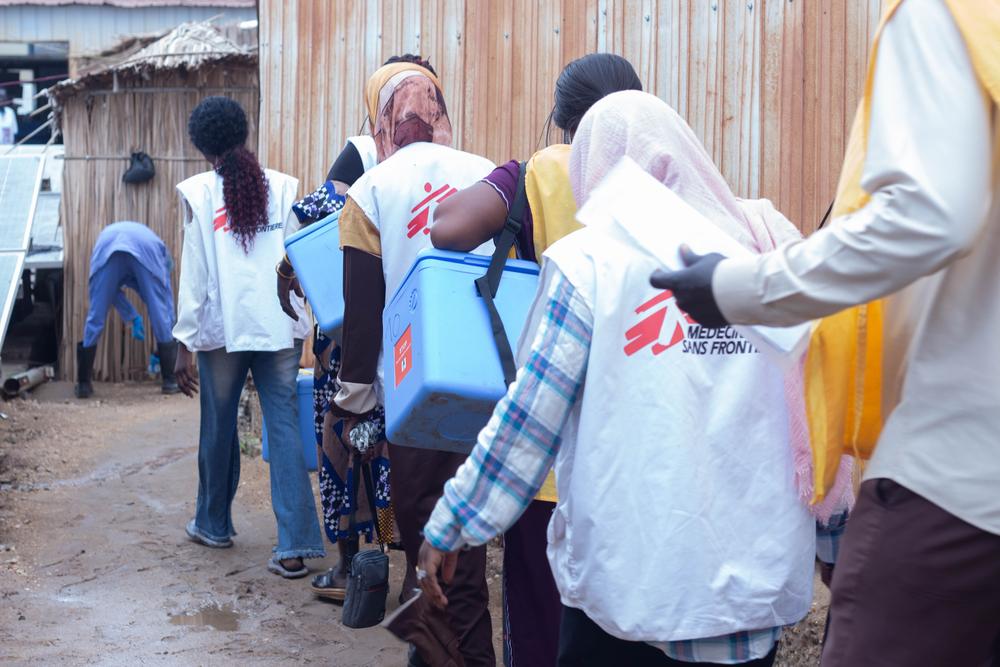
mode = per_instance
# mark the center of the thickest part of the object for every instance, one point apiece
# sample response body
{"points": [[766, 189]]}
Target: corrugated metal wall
{"points": [[769, 85], [92, 28]]}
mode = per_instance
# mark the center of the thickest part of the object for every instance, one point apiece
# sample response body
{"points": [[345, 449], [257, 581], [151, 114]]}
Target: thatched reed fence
{"points": [[104, 118]]}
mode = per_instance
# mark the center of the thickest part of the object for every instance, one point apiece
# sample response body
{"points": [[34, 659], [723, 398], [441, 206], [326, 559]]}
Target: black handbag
{"points": [[368, 580], [140, 169]]}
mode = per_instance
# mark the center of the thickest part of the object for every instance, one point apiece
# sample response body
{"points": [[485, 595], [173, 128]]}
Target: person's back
{"points": [[398, 196], [383, 226], [233, 282], [904, 285], [135, 239], [693, 423], [677, 438], [230, 318]]}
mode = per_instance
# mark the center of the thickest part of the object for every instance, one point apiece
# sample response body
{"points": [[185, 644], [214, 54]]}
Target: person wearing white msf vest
{"points": [[915, 235], [688, 455], [230, 323]]}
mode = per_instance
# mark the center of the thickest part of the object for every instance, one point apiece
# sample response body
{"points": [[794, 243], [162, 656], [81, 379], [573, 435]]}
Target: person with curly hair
{"points": [[236, 217]]}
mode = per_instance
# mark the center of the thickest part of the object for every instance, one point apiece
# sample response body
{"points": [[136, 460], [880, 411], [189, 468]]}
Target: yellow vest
{"points": [[553, 215], [846, 396]]}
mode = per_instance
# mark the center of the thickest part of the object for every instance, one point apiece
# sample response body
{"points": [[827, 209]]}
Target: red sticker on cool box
{"points": [[403, 355]]}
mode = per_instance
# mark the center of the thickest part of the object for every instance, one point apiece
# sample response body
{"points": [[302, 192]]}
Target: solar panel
{"points": [[20, 179], [46, 251], [10, 275], [45, 231]]}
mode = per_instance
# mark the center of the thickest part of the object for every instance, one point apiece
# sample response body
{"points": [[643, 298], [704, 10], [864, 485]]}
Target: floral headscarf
{"points": [[405, 105]]}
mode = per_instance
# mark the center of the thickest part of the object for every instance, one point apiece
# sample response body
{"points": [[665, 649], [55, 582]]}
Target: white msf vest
{"points": [[399, 195], [227, 296], [678, 516]]}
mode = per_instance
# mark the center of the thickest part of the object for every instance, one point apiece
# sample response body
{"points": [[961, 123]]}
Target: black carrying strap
{"points": [[489, 282], [366, 470], [358, 470]]}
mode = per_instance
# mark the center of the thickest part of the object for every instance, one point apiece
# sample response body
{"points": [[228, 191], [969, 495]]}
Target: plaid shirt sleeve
{"points": [[518, 446]]}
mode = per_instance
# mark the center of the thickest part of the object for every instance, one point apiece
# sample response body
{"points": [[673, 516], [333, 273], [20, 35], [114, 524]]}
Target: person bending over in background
{"points": [[128, 254]]}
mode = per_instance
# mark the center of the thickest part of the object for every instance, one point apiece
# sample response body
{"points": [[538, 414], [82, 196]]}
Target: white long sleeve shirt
{"points": [[932, 218], [226, 296]]}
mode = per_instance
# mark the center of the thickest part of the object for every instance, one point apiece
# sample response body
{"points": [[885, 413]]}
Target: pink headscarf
{"points": [[648, 130]]}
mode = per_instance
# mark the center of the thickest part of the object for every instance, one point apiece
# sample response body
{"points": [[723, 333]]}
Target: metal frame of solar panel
{"points": [[20, 182]]}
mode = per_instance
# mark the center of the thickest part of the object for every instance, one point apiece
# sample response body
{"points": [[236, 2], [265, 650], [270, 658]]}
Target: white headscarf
{"points": [[648, 130]]}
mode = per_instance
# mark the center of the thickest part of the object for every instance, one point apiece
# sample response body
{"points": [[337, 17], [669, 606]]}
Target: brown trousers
{"points": [[418, 477], [914, 586]]}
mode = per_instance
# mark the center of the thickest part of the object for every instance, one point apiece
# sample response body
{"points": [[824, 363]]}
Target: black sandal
{"points": [[325, 585]]}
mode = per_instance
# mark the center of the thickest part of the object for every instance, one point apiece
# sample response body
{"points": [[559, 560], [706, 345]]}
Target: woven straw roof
{"points": [[136, 3], [189, 47]]}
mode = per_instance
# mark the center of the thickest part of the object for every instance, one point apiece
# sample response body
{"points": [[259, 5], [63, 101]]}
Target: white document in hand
{"points": [[632, 205]]}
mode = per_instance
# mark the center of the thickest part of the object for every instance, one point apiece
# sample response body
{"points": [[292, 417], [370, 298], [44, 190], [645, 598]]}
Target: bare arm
{"points": [[469, 218]]}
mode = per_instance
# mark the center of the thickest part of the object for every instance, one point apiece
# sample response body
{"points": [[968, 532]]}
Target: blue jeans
{"points": [[222, 375], [106, 288]]}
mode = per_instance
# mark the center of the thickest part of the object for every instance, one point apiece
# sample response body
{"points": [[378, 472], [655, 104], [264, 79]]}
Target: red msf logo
{"points": [[221, 220], [647, 331], [419, 222]]}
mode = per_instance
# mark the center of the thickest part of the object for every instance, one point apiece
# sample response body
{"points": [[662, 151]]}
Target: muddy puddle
{"points": [[218, 616]]}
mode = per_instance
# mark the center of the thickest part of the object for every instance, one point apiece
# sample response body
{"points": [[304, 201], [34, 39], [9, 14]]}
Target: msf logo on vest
{"points": [[221, 223], [659, 333], [420, 222], [221, 220], [648, 332]]}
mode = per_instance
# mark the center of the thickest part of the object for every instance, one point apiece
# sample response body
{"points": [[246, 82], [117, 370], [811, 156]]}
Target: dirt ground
{"points": [[95, 567]]}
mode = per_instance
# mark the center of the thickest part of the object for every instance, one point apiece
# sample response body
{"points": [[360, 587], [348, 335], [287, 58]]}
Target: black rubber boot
{"points": [[84, 370], [168, 357]]}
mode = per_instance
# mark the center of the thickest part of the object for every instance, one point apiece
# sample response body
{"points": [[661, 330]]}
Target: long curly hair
{"points": [[218, 128]]}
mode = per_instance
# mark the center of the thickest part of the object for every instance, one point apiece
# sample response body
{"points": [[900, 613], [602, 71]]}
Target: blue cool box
{"points": [[442, 373], [307, 432], [319, 265]]}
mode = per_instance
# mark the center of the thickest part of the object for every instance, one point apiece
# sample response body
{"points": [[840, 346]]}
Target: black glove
{"points": [[692, 287]]}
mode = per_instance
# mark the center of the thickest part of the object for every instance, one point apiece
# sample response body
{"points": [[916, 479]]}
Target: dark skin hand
{"points": [[692, 287], [433, 561], [468, 218], [285, 288], [185, 371]]}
